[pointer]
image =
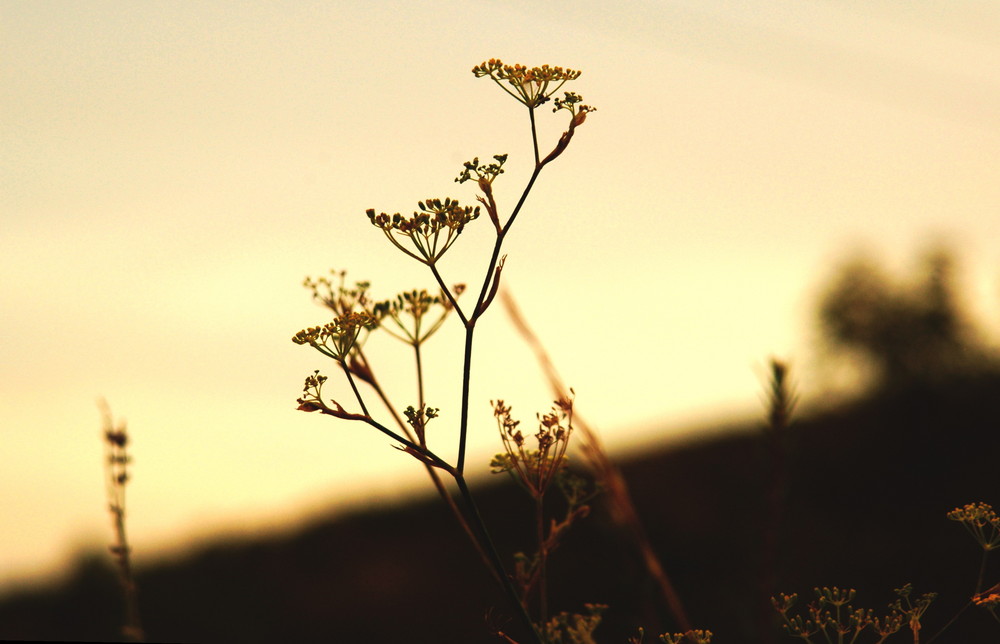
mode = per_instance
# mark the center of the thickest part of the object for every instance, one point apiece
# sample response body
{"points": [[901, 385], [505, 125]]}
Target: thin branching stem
{"points": [[420, 375], [354, 387], [447, 292], [432, 472], [422, 452], [982, 571], [466, 382], [534, 134], [543, 556], [470, 323], [497, 562], [431, 242]]}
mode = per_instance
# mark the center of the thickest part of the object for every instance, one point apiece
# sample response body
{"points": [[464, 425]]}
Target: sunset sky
{"points": [[170, 172]]}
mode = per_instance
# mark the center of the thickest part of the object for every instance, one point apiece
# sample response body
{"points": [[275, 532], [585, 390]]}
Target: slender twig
{"points": [[982, 571]]}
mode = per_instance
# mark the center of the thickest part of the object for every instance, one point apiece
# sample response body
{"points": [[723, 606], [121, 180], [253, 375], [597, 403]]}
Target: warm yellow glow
{"points": [[170, 173]]}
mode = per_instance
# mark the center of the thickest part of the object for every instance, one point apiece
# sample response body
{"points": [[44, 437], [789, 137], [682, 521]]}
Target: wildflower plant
{"points": [[414, 316], [834, 618], [535, 469], [982, 522], [690, 636]]}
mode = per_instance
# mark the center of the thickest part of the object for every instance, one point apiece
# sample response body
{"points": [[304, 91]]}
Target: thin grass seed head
{"points": [[117, 462]]}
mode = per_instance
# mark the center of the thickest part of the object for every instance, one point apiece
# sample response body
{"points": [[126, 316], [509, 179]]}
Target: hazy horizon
{"points": [[170, 174]]}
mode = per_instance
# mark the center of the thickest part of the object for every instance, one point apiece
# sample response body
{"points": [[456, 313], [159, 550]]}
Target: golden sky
{"points": [[169, 173]]}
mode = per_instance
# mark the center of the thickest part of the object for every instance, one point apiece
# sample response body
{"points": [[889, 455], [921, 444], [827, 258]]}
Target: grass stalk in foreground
{"points": [[116, 468]]}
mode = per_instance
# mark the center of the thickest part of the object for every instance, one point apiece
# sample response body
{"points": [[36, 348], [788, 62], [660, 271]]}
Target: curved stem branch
{"points": [[447, 292]]}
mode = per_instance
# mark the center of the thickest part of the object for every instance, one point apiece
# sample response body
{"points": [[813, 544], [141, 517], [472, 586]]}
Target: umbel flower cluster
{"points": [[336, 339], [982, 523], [833, 615], [432, 230], [534, 469], [529, 85]]}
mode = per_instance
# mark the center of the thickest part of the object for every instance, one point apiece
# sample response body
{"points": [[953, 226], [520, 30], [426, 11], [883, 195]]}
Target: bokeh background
{"points": [[170, 172]]}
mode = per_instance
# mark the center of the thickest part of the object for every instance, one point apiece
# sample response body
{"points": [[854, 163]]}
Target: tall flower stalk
{"points": [[425, 236]]}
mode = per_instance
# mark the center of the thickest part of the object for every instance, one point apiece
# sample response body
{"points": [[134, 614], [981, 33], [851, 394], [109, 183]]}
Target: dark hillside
{"points": [[868, 487]]}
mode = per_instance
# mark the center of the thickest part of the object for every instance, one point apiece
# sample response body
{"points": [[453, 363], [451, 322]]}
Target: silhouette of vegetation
{"points": [[868, 486], [903, 330], [856, 499]]}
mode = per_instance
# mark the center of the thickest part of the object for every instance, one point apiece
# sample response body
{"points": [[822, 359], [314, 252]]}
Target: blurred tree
{"points": [[903, 331]]}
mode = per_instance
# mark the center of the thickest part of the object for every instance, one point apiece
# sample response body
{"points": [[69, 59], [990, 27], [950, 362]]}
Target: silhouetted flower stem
{"points": [[466, 380], [425, 236], [354, 388], [439, 485], [481, 304], [505, 580], [543, 557], [534, 135]]}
